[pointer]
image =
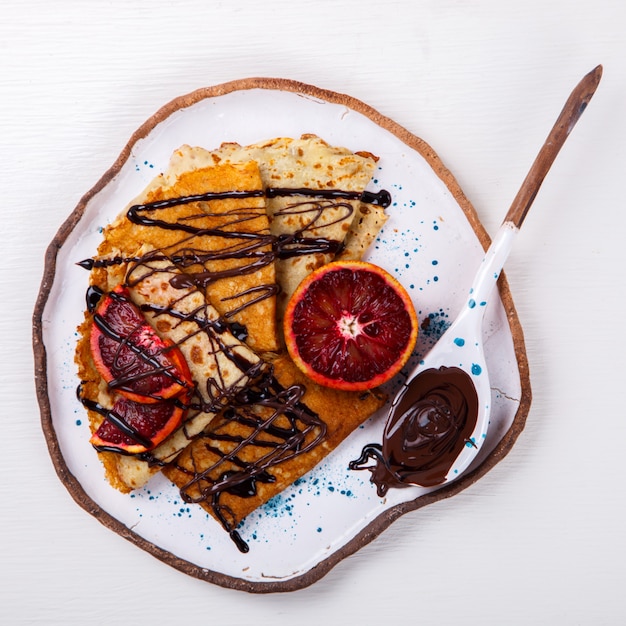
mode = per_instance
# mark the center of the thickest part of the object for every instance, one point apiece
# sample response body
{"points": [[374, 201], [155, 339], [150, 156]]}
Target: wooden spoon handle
{"points": [[573, 109]]}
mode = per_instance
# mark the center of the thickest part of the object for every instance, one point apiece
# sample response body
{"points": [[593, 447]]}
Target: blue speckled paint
{"points": [[432, 327], [471, 303], [476, 369], [314, 484], [406, 243], [146, 163], [459, 341]]}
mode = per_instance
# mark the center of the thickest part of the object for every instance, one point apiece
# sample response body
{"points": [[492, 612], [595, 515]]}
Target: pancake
{"points": [[219, 363], [254, 450], [221, 242], [315, 227]]}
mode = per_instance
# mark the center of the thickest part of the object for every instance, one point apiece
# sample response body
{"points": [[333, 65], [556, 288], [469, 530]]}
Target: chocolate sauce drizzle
{"points": [[264, 420], [256, 249], [282, 247]]}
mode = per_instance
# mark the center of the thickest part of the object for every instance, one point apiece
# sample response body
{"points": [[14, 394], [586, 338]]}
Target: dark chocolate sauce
{"points": [[93, 296], [243, 252], [425, 431], [381, 198], [259, 249]]}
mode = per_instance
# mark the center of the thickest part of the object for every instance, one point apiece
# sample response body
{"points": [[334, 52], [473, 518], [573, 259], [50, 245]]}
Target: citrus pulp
{"points": [[350, 325]]}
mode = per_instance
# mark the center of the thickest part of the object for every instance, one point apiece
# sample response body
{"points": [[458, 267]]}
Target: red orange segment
{"points": [[131, 357], [135, 427]]}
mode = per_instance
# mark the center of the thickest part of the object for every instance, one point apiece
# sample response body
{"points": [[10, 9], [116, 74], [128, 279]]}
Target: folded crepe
{"points": [[311, 228], [220, 364], [221, 242], [263, 442]]}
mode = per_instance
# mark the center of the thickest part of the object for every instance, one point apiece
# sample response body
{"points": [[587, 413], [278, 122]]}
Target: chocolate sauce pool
{"points": [[425, 432]]}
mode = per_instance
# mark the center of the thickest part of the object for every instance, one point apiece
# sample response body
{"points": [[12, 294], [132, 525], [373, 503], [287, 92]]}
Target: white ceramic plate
{"points": [[432, 243]]}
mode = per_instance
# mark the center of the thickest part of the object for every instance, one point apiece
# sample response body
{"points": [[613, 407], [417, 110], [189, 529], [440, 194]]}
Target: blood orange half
{"points": [[350, 325]]}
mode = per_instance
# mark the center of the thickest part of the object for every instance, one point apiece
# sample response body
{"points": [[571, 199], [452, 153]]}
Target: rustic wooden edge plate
{"points": [[379, 524]]}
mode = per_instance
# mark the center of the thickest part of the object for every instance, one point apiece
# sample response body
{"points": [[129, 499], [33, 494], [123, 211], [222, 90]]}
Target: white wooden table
{"points": [[540, 539]]}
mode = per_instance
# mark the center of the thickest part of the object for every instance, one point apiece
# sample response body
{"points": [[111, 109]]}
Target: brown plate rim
{"points": [[384, 520]]}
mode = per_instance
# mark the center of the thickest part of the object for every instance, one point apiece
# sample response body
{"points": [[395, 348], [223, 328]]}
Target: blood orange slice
{"points": [[130, 355], [350, 325], [135, 427]]}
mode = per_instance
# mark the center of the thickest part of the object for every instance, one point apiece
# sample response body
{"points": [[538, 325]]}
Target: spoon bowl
{"points": [[459, 440]]}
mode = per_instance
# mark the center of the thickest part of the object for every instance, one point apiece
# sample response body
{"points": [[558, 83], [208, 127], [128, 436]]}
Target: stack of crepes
{"points": [[211, 252]]}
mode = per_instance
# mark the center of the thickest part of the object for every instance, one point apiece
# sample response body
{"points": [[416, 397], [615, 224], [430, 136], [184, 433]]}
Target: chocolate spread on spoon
{"points": [[425, 432]]}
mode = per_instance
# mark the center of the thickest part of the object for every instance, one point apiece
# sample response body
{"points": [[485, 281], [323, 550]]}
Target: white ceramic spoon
{"points": [[461, 346]]}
